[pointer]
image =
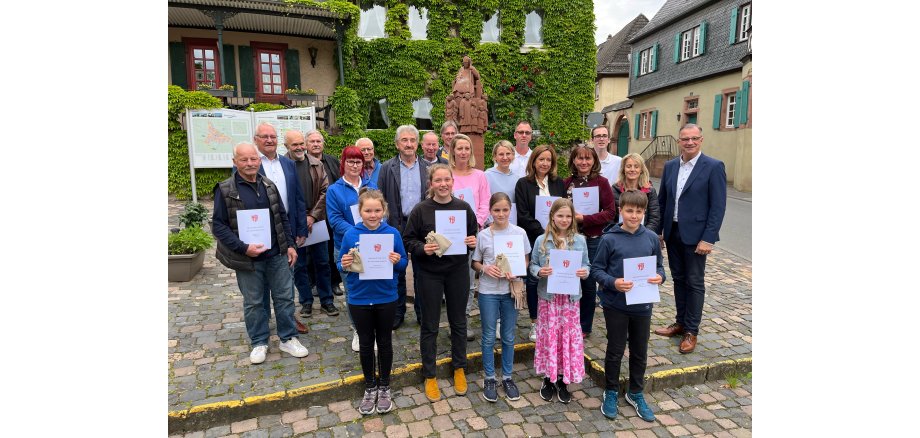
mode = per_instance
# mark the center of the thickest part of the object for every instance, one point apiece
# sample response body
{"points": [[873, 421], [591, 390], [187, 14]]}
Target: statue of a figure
{"points": [[466, 105]]}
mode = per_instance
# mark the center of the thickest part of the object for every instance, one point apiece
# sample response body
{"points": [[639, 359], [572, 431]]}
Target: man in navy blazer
{"points": [[692, 198], [283, 172]]}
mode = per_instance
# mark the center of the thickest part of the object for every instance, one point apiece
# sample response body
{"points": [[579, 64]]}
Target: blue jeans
{"points": [[491, 307], [277, 274], [320, 258]]}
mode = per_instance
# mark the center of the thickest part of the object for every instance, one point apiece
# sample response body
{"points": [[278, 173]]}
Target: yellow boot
{"points": [[431, 389], [459, 381]]}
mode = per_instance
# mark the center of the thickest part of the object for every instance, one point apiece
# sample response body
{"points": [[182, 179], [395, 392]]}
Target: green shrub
{"points": [[189, 241], [194, 215]]}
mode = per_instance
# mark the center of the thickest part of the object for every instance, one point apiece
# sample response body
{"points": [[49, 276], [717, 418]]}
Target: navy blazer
{"points": [[702, 202], [297, 211]]}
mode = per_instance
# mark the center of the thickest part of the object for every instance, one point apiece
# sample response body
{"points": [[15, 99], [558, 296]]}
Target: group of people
{"points": [[406, 195]]}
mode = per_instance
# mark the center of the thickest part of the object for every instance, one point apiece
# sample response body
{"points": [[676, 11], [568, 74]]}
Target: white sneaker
{"points": [[294, 348], [355, 345], [533, 332], [498, 330], [258, 354]]}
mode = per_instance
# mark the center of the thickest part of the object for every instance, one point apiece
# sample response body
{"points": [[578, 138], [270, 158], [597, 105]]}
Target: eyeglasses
{"points": [[602, 136], [267, 137], [524, 132], [686, 139], [354, 163]]}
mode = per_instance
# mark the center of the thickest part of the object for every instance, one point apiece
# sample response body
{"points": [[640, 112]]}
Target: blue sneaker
{"points": [[609, 407], [490, 391], [637, 400]]}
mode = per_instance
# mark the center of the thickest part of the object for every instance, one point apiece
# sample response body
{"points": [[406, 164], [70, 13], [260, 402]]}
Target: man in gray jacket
{"points": [[403, 180]]}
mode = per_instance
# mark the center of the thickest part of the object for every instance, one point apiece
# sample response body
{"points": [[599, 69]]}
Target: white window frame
{"points": [[498, 29], [419, 16], [367, 14], [730, 109], [645, 121], [690, 44], [527, 21], [744, 22], [646, 61]]}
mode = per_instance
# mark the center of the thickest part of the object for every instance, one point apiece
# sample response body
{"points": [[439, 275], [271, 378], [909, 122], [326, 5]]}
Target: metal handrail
{"points": [[661, 145]]}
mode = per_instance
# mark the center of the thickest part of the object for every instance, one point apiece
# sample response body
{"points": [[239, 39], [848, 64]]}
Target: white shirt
{"points": [[519, 164], [485, 254], [275, 172], [683, 173], [610, 168]]}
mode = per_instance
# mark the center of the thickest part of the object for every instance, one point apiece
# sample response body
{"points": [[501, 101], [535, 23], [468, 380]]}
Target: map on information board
{"points": [[212, 134]]}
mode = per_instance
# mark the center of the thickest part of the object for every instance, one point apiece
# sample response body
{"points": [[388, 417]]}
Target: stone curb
{"points": [[352, 387]]}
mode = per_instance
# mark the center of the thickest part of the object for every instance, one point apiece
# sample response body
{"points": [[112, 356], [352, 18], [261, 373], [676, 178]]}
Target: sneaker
{"points": [[384, 400], [369, 401], [498, 330], [470, 334], [511, 390], [490, 391], [459, 381], [258, 354], [609, 407], [337, 290], [306, 311], [548, 390], [294, 348], [355, 344], [431, 390], [562, 392], [637, 400], [330, 309], [533, 331]]}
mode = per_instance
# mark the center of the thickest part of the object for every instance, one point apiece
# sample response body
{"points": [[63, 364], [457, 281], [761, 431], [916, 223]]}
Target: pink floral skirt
{"points": [[560, 348]]}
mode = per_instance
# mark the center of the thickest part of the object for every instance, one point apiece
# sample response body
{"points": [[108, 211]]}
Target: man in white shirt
{"points": [[523, 134], [610, 163]]}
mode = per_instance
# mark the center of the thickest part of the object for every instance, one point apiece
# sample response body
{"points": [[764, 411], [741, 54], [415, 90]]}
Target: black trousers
{"points": [[621, 326], [454, 287], [687, 272], [375, 323]]}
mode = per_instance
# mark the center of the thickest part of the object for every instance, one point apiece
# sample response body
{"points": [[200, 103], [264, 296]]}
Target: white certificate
{"points": [[255, 226], [452, 225], [355, 214], [563, 279], [541, 211], [375, 254], [318, 234], [638, 270], [466, 195], [586, 200], [513, 248]]}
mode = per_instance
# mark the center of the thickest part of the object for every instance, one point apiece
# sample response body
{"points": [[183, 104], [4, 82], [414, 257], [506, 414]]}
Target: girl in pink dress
{"points": [[559, 353]]}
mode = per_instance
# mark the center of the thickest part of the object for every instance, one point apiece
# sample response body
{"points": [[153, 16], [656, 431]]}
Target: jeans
{"points": [[320, 260], [335, 260], [491, 308], [588, 301], [621, 327], [277, 274], [375, 323], [453, 286], [687, 271]]}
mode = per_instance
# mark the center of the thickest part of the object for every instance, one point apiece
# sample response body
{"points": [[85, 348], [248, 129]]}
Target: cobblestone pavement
{"points": [[208, 353], [709, 410]]}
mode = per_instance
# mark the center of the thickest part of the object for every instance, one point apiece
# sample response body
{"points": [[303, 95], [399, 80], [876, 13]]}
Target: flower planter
{"points": [[183, 267], [220, 93], [300, 96]]}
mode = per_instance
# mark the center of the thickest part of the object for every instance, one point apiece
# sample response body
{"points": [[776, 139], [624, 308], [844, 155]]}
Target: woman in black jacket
{"points": [[540, 180]]}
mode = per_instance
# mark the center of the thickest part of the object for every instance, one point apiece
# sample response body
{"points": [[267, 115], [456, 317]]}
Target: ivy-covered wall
{"points": [[558, 78]]}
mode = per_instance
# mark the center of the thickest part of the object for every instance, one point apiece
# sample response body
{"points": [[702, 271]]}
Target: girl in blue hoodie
{"points": [[372, 303]]}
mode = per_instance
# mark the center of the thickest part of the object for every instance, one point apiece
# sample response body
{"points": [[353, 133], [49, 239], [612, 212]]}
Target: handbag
{"points": [[356, 265]]}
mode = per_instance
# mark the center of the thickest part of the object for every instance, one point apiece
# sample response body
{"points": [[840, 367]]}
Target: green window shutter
{"points": [[636, 62], [292, 61], [717, 112], [228, 73], [742, 107], [247, 72], [677, 48], [654, 60], [703, 38], [654, 123], [637, 126], [177, 64], [733, 26]]}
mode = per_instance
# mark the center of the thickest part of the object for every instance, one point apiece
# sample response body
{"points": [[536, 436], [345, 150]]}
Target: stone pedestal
{"points": [[478, 150]]}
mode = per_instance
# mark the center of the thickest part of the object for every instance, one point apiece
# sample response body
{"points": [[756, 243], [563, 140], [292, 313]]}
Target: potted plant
{"points": [[298, 94], [225, 90], [186, 247]]}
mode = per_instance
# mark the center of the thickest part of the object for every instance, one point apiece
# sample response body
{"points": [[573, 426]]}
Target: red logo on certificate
{"points": [[452, 219], [566, 263], [509, 243], [255, 218], [549, 203], [584, 194], [377, 248], [461, 197], [641, 266]]}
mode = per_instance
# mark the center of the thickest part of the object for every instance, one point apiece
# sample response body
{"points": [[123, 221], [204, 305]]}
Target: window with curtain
{"points": [[421, 111], [490, 30], [418, 23], [533, 29], [371, 22]]}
